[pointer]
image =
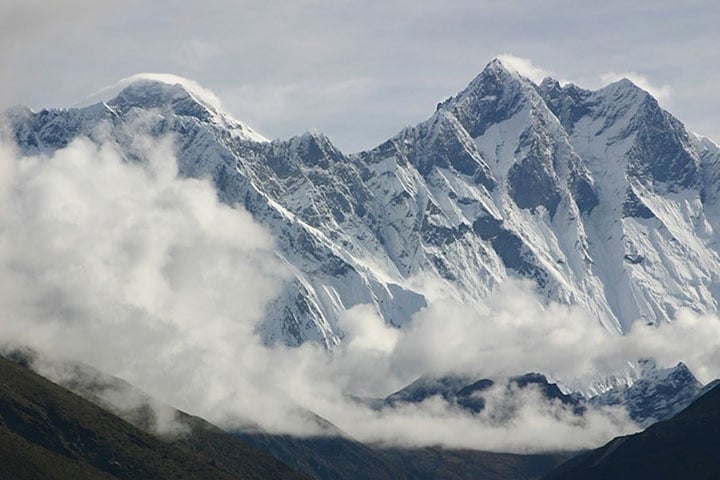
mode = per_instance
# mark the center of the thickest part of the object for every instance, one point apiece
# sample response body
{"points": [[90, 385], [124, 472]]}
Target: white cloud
{"points": [[132, 270], [518, 334], [524, 67], [662, 93], [366, 331], [513, 420], [146, 276]]}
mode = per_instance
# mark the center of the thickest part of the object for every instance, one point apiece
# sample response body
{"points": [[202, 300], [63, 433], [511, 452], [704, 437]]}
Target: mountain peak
{"points": [[495, 95], [167, 82], [168, 92], [518, 67], [500, 74], [626, 88], [549, 83], [513, 65], [499, 69], [497, 64]]}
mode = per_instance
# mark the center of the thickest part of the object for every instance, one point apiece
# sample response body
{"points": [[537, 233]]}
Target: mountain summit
{"points": [[172, 94], [601, 198]]}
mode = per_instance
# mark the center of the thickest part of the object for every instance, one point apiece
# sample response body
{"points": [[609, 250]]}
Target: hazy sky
{"points": [[358, 71]]}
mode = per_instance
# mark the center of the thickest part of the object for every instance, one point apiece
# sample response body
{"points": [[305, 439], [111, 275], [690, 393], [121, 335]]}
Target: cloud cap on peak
{"points": [[201, 94], [521, 66], [180, 95], [662, 93]]}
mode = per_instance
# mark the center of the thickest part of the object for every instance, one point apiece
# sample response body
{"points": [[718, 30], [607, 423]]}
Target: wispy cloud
{"points": [[524, 67], [662, 93]]}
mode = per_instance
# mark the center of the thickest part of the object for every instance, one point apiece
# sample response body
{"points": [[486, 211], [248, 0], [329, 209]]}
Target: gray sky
{"points": [[358, 71]]}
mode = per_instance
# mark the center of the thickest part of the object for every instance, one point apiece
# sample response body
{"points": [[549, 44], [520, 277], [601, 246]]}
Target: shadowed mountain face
{"points": [[470, 395], [602, 198], [49, 432], [685, 446], [656, 394]]}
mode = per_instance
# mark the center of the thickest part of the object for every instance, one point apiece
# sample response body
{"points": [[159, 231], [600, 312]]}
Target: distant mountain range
{"points": [[602, 198], [657, 394]]}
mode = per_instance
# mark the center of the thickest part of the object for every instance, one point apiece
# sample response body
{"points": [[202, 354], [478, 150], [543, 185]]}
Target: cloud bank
{"points": [[144, 275]]}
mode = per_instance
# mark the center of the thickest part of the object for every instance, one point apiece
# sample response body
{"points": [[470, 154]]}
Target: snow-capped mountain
{"points": [[658, 393], [470, 394], [601, 197], [655, 395]]}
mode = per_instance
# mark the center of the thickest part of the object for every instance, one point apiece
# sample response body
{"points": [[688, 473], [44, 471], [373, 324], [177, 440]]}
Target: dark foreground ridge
{"points": [[338, 458], [49, 432], [686, 446]]}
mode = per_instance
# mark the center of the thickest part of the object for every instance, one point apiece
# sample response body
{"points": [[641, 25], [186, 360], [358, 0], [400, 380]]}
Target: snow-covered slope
{"points": [[656, 395], [602, 198]]}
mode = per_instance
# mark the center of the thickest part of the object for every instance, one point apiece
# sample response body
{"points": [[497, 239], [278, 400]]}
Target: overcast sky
{"points": [[358, 71]]}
